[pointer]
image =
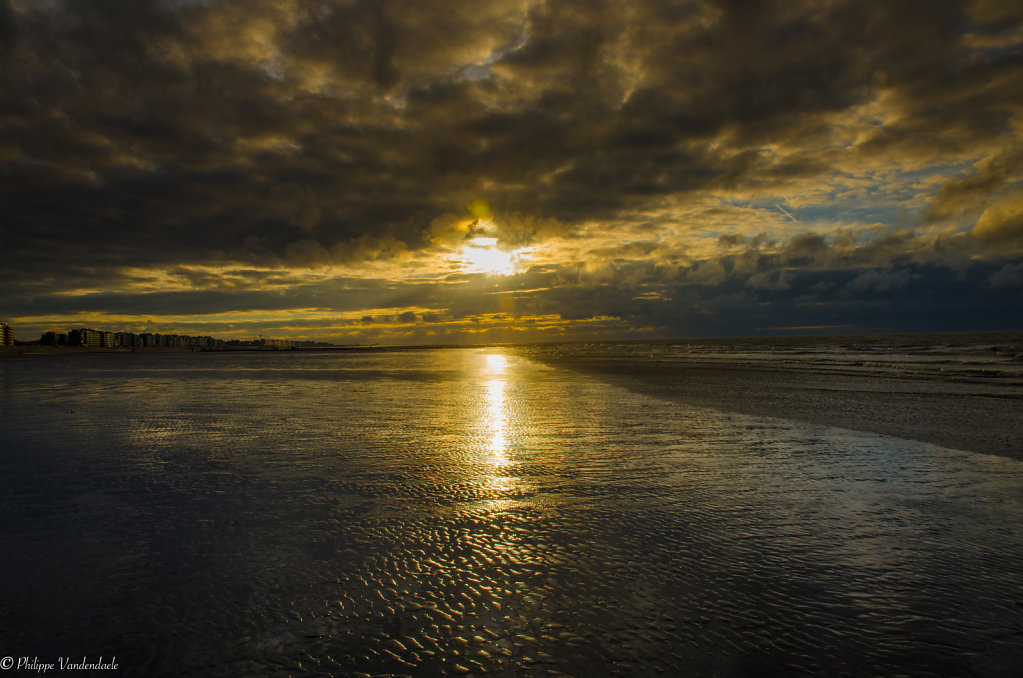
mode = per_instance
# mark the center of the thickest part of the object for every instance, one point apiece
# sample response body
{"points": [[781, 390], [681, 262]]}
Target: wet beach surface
{"points": [[964, 416], [454, 512]]}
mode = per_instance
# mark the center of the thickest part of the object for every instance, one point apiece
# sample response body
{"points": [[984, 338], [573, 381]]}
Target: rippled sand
{"points": [[470, 511]]}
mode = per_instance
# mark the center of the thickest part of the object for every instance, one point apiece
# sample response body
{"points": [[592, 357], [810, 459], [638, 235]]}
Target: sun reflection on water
{"points": [[496, 414], [497, 363], [497, 421]]}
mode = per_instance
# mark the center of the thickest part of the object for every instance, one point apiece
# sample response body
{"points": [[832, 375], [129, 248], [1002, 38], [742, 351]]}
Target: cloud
{"points": [[1007, 276], [743, 148], [881, 281], [993, 175], [805, 248], [775, 280], [710, 272], [1002, 221]]}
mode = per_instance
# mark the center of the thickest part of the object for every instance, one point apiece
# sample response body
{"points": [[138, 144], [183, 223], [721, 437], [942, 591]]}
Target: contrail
{"points": [[786, 213]]}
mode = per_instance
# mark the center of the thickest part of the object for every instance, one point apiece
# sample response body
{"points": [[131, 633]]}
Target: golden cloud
{"points": [[1002, 221]]}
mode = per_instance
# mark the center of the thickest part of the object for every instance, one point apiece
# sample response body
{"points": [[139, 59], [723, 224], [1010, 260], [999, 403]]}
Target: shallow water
{"points": [[471, 511]]}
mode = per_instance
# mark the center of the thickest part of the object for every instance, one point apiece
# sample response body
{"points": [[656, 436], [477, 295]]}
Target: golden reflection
{"points": [[496, 414], [497, 363], [497, 421]]}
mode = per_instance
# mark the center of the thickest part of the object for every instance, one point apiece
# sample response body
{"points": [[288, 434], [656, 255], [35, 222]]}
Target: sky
{"points": [[441, 171]]}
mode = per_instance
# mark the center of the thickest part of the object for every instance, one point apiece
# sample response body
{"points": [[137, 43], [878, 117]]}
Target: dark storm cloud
{"points": [[281, 133], [885, 299]]}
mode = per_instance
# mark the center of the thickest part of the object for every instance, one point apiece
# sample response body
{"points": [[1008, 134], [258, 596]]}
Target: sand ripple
{"points": [[479, 516]]}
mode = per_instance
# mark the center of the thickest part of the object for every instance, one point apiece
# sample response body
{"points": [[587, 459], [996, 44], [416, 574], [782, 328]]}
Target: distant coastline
{"points": [[33, 349], [40, 350]]}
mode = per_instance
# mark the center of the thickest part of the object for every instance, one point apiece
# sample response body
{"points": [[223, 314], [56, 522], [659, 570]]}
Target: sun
{"points": [[482, 255]]}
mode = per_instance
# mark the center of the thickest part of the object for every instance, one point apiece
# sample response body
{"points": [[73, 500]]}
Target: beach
{"points": [[950, 414], [482, 512]]}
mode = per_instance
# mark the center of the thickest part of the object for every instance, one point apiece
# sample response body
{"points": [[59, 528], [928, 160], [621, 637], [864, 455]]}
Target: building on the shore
{"points": [[53, 338], [104, 339], [6, 335], [126, 340], [203, 343], [276, 344], [85, 337]]}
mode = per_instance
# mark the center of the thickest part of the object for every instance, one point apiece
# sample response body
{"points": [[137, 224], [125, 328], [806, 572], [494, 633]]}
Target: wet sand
{"points": [[472, 512], [964, 416]]}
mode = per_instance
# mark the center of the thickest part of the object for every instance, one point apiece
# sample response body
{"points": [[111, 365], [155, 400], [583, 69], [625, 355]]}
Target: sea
{"points": [[483, 511]]}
